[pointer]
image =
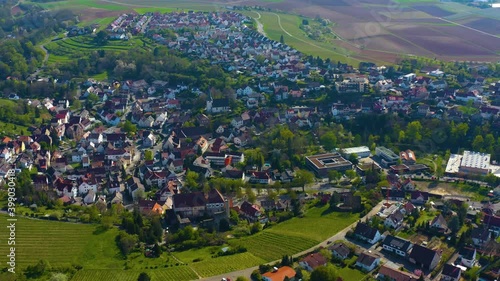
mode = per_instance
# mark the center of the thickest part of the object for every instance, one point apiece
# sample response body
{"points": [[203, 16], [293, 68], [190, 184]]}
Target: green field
{"points": [[225, 264], [64, 50], [79, 4], [61, 244], [177, 273], [298, 39], [317, 224], [349, 274]]}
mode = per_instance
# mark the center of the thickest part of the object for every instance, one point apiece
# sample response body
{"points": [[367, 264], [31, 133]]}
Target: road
{"points": [[260, 26], [339, 236]]}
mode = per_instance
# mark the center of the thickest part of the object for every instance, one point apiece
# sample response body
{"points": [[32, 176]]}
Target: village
{"points": [[144, 145]]}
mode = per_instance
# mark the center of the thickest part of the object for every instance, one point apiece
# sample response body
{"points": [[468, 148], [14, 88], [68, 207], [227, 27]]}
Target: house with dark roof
{"points": [[419, 197], [340, 250], [312, 261], [252, 212], [450, 273], [480, 236], [424, 257], [218, 105], [367, 233], [262, 177], [386, 273], [397, 245], [439, 223], [367, 261], [394, 220], [468, 256], [196, 204]]}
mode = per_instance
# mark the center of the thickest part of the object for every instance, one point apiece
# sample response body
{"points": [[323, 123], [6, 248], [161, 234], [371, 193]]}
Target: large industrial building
{"points": [[321, 164], [469, 163], [360, 151]]}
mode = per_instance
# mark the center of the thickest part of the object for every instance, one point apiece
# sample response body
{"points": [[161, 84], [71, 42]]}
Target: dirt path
{"points": [[339, 236]]}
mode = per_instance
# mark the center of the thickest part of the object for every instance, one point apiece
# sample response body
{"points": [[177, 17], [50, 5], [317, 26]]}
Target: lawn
{"points": [[176, 273], [317, 224], [349, 274]]}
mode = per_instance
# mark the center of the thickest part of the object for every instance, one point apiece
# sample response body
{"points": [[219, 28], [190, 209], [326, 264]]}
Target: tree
{"points": [[148, 155], [328, 141], [250, 195], [37, 270], [351, 174], [143, 277], [126, 242], [256, 275], [242, 278], [414, 131], [454, 224], [191, 179], [478, 143], [101, 38], [334, 175], [129, 128], [282, 40], [304, 177], [354, 159], [324, 273]]}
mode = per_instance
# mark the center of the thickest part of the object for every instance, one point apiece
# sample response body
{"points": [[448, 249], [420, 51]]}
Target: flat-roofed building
{"points": [[360, 151], [453, 165], [475, 163], [388, 156], [469, 163], [321, 164]]}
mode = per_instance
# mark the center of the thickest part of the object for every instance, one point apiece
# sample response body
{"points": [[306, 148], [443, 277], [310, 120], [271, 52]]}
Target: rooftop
{"points": [[476, 160], [453, 163], [327, 160], [356, 150]]}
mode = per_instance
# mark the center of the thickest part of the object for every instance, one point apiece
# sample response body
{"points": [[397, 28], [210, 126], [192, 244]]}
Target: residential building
{"points": [[468, 256], [394, 220], [313, 261], [367, 261], [367, 233], [386, 273], [450, 273], [340, 250], [424, 257], [439, 223], [399, 246]]}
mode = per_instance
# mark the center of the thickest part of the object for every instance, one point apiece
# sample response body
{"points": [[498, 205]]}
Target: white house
{"points": [[367, 261], [397, 245]]}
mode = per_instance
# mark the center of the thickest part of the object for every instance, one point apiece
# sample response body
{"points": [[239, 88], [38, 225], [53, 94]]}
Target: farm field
{"points": [[296, 38], [271, 246], [221, 265], [177, 273], [73, 47], [62, 244]]}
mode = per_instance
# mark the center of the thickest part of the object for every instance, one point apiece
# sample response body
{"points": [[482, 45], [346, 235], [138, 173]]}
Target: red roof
{"points": [[280, 274], [315, 260]]}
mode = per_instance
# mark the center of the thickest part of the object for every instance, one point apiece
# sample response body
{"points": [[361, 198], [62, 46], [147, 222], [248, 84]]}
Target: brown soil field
{"points": [[94, 13], [484, 24], [433, 10]]}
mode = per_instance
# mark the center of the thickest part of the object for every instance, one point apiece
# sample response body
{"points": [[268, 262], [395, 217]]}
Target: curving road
{"points": [[339, 236]]}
